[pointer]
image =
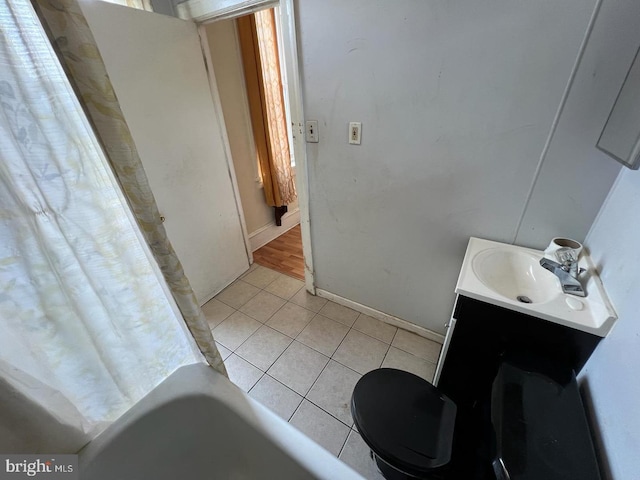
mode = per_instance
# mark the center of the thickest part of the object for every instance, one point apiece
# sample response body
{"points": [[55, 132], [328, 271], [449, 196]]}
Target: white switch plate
{"points": [[311, 131], [355, 132]]}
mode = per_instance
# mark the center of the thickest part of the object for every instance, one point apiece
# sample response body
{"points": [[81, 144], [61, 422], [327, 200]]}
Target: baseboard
{"points": [[384, 317], [264, 235]]}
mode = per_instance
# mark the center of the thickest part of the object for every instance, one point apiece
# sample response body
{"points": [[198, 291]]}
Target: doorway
{"points": [[275, 244], [211, 14]]}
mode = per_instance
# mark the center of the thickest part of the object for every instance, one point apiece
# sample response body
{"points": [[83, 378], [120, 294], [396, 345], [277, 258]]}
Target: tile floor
{"points": [[301, 356]]}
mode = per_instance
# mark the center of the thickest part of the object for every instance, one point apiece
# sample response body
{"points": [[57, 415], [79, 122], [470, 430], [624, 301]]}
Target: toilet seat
{"points": [[404, 419]]}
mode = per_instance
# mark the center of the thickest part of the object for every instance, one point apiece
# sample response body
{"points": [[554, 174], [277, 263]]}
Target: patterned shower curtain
{"points": [[79, 55], [95, 310]]}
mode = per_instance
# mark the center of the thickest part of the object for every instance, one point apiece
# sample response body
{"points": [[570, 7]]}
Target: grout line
{"points": [[252, 386], [410, 353], [326, 411], [323, 368], [245, 340], [385, 355], [282, 385], [314, 348], [347, 366], [339, 345], [296, 410], [269, 317], [304, 397], [343, 444], [394, 335], [390, 345], [278, 358], [234, 283]]}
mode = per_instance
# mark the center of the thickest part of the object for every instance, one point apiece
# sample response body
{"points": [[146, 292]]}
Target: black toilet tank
{"points": [[541, 430]]}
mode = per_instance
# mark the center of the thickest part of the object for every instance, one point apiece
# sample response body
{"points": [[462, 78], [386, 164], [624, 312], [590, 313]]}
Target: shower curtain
{"points": [[88, 320]]}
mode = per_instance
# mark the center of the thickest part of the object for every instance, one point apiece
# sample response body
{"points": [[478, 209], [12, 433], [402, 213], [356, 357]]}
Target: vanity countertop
{"points": [[499, 273]]}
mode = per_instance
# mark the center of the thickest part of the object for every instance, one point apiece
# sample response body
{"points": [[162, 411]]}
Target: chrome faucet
{"points": [[567, 271]]}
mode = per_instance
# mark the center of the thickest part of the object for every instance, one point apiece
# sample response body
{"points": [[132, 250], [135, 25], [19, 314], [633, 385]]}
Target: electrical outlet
{"points": [[355, 132], [311, 131]]}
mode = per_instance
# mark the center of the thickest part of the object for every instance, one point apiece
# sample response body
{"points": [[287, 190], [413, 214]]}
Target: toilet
{"points": [[406, 422], [538, 426]]}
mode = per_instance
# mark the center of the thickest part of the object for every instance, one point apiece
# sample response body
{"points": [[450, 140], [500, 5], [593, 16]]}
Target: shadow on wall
{"points": [[596, 433]]}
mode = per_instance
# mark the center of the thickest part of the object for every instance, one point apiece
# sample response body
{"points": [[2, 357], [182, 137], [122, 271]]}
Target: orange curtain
{"points": [[261, 61]]}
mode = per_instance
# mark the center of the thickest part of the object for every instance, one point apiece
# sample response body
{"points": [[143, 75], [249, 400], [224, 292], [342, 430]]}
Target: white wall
{"points": [[456, 100], [227, 65], [610, 378], [575, 177]]}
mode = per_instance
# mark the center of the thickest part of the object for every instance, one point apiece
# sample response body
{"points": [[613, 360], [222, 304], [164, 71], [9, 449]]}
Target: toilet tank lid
{"points": [[540, 427]]}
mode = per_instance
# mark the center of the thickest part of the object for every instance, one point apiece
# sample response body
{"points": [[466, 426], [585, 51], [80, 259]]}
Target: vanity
{"points": [[510, 308]]}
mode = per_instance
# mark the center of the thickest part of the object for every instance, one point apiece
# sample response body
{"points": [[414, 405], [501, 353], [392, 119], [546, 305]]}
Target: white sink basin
{"points": [[516, 275], [510, 276]]}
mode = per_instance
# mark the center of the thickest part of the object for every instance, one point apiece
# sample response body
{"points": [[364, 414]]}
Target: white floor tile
{"points": [[215, 312], [284, 286], [263, 306], [264, 347], [290, 319], [261, 333], [375, 328], [280, 399], [360, 352], [357, 455], [235, 330], [417, 345], [320, 427], [339, 313], [402, 360], [323, 335], [298, 367], [333, 389], [261, 276], [237, 294], [308, 301], [241, 372], [251, 269], [224, 351]]}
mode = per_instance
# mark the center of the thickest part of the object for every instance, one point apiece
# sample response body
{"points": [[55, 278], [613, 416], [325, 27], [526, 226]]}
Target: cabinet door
{"points": [[472, 357], [451, 326], [158, 73], [486, 334]]}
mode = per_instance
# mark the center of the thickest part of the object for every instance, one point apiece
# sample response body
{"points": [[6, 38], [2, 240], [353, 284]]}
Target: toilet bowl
{"points": [[537, 424], [406, 422]]}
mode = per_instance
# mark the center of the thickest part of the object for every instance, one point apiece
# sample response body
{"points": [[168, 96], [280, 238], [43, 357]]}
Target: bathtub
{"points": [[197, 425]]}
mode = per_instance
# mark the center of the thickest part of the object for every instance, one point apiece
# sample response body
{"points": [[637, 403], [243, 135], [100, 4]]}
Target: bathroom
{"points": [[478, 119]]}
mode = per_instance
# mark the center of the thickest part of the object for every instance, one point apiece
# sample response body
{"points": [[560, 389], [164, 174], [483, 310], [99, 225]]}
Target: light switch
{"points": [[311, 131]]}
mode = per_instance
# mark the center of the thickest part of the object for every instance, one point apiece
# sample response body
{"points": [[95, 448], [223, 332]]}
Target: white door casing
{"points": [[157, 69]]}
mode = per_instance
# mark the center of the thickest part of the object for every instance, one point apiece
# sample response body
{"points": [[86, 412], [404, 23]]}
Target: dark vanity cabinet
{"points": [[480, 337]]}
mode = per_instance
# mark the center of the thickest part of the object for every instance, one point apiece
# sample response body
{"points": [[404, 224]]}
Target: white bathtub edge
{"points": [[200, 379]]}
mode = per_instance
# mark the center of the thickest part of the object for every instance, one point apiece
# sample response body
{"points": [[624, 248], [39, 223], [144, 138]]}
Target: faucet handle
{"points": [[566, 256]]}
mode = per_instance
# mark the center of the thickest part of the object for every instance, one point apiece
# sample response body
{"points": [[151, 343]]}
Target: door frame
{"points": [[208, 11]]}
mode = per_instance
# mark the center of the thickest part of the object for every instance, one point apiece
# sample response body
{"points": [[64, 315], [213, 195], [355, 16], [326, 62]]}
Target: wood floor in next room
{"points": [[301, 356], [283, 254]]}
